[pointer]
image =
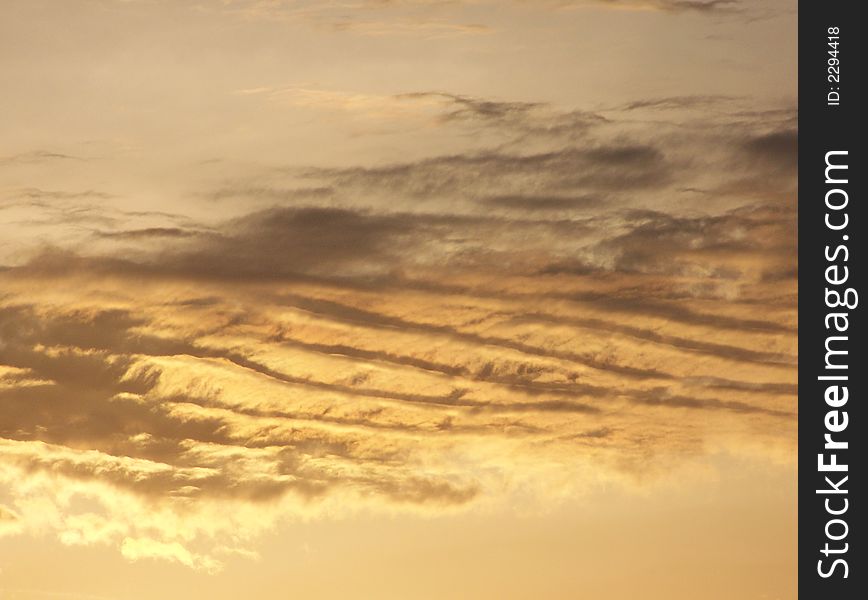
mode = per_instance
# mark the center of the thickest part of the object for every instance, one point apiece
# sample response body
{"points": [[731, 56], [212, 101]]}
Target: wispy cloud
{"points": [[37, 157]]}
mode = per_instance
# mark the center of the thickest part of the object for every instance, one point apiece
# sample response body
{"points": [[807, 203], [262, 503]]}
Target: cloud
{"points": [[415, 28], [677, 102], [10, 521], [663, 243], [139, 548], [778, 149], [436, 17], [74, 215], [522, 117], [40, 197], [426, 19], [536, 157], [543, 203], [615, 167], [146, 233], [37, 157], [470, 108], [434, 334], [701, 6]]}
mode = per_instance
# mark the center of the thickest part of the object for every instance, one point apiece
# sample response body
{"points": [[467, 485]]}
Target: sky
{"points": [[398, 299]]}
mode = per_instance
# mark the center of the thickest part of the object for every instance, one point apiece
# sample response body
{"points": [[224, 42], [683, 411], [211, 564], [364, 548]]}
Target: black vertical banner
{"points": [[832, 371]]}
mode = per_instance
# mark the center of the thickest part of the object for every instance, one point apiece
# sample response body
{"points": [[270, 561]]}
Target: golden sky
{"points": [[398, 299]]}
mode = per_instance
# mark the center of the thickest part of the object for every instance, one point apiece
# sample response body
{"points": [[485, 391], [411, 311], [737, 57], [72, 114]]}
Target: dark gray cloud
{"points": [[678, 102], [606, 168], [36, 156], [662, 397], [271, 195], [286, 241], [37, 195], [529, 120], [85, 209], [699, 5], [662, 243], [676, 6], [533, 203], [728, 351], [146, 233], [470, 108], [777, 149]]}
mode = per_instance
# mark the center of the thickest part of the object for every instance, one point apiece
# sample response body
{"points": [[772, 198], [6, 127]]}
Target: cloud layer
{"points": [[593, 296]]}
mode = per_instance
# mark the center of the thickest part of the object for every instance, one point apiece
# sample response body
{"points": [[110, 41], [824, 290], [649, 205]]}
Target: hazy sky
{"points": [[398, 299]]}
